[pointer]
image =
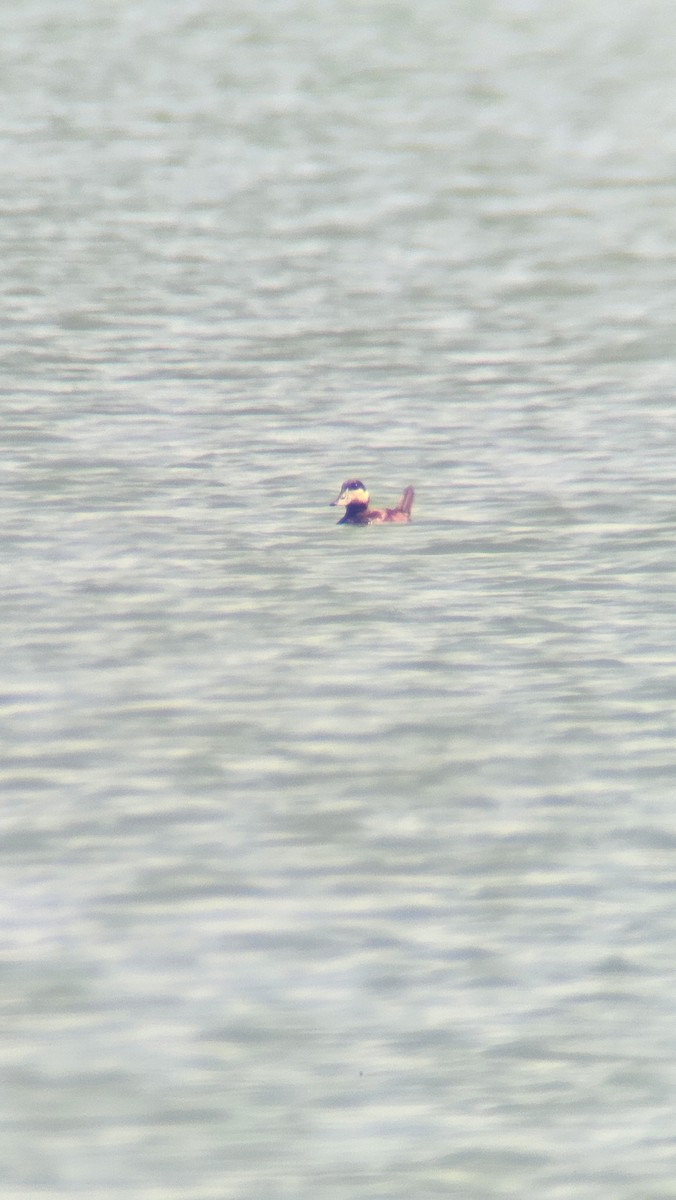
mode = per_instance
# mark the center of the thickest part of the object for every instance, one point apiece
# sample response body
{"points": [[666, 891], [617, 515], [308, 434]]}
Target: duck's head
{"points": [[352, 492]]}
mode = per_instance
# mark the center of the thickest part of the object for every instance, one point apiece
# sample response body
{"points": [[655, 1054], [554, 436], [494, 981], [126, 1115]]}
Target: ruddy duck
{"points": [[355, 499]]}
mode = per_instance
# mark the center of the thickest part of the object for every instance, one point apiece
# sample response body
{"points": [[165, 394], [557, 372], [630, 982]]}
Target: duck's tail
{"points": [[406, 503]]}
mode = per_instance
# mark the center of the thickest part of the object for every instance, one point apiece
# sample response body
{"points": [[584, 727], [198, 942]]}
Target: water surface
{"points": [[338, 861]]}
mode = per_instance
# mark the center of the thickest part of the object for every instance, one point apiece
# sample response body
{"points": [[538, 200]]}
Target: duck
{"points": [[354, 498]]}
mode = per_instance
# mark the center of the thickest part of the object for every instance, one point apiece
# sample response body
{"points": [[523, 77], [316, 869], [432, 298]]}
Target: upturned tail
{"points": [[406, 503]]}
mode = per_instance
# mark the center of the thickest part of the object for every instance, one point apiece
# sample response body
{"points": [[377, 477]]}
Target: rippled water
{"points": [[338, 862]]}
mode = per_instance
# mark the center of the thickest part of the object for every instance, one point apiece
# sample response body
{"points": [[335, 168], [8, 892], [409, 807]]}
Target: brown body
{"points": [[355, 499]]}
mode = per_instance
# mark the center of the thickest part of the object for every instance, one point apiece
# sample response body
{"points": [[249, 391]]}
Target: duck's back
{"points": [[399, 515]]}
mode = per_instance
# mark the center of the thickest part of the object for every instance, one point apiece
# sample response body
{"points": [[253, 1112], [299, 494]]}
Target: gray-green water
{"points": [[338, 863]]}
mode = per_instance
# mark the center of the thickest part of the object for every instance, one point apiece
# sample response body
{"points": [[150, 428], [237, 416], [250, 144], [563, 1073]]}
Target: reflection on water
{"points": [[337, 861]]}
